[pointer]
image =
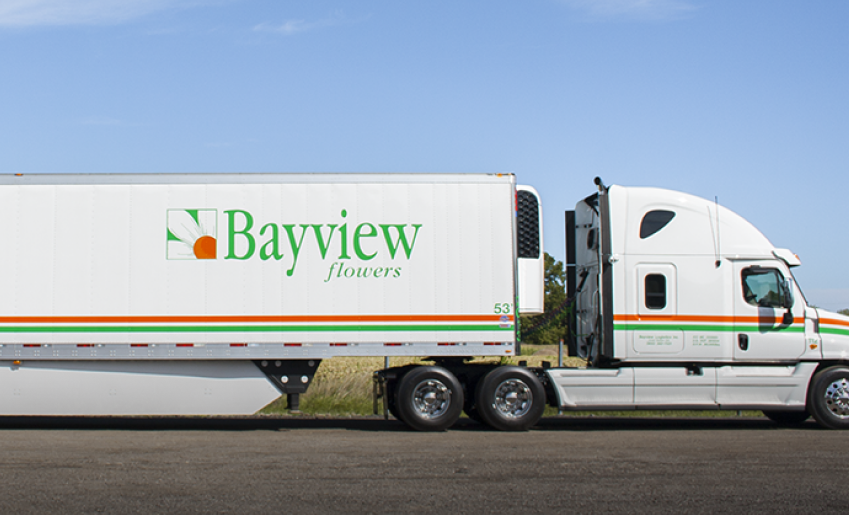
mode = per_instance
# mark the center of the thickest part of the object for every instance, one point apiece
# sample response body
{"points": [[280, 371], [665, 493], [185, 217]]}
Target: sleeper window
{"points": [[653, 221]]}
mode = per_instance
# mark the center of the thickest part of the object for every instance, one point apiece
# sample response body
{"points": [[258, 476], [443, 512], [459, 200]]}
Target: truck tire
{"points": [[429, 399], [787, 418], [390, 401], [828, 397], [510, 399]]}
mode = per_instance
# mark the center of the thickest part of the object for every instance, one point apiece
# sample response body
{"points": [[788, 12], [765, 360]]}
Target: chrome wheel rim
{"points": [[837, 398], [513, 398], [431, 398]]}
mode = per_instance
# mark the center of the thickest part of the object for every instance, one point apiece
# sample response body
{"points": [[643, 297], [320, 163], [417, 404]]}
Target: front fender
{"points": [[834, 330]]}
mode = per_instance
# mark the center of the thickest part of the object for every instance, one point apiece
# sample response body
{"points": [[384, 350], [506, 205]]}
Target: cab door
{"points": [[768, 324]]}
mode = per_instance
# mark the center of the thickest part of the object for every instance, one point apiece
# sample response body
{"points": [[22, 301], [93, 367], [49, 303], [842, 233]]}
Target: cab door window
{"points": [[763, 287]]}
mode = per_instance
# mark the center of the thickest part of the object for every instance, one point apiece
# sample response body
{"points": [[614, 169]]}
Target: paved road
{"points": [[274, 465]]}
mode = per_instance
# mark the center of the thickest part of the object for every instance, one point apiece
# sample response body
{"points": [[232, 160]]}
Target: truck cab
{"points": [[681, 303]]}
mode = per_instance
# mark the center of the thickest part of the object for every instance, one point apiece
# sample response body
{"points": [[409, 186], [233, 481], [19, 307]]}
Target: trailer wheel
{"points": [[510, 399], [429, 399], [828, 397], [787, 418]]}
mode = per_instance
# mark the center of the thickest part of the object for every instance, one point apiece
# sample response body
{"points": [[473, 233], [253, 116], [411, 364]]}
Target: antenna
{"points": [[718, 236], [713, 235]]}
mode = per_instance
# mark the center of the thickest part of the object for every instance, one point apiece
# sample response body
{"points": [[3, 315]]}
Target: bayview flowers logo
{"points": [[192, 233]]}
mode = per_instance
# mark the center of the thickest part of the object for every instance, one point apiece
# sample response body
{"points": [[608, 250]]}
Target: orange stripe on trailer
{"points": [[248, 318]]}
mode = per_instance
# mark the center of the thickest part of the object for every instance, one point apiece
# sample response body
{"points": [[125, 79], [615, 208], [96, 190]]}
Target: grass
{"points": [[343, 387]]}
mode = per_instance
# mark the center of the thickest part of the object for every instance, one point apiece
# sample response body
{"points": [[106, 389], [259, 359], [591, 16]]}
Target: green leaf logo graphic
{"points": [[192, 233]]}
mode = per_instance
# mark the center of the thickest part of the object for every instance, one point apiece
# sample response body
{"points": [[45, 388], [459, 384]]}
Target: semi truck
{"points": [[216, 294]]}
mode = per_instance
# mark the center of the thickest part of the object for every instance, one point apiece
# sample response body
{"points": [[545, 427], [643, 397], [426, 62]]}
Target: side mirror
{"points": [[788, 318], [788, 294], [788, 302]]}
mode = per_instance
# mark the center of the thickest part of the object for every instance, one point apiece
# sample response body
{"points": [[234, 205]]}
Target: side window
{"points": [[655, 291], [763, 287]]}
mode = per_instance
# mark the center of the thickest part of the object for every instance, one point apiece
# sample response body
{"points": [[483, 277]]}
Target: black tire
{"points": [[390, 401], [429, 399], [787, 418], [510, 399], [828, 397]]}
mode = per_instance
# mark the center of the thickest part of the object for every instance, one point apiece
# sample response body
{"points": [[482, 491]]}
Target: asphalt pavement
{"points": [[302, 465]]}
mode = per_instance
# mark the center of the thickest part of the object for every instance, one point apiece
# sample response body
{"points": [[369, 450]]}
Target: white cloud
{"points": [[292, 27], [643, 10], [33, 13]]}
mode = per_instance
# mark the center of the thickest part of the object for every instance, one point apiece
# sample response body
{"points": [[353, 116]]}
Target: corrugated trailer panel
{"points": [[276, 259]]}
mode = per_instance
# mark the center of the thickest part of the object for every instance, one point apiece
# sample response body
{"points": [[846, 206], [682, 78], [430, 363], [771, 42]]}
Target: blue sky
{"points": [[746, 101]]}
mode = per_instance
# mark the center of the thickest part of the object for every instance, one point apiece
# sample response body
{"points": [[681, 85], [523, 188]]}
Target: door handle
{"points": [[743, 341]]}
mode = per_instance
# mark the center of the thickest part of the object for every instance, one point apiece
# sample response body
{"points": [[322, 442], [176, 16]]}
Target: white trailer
{"points": [[214, 294]]}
